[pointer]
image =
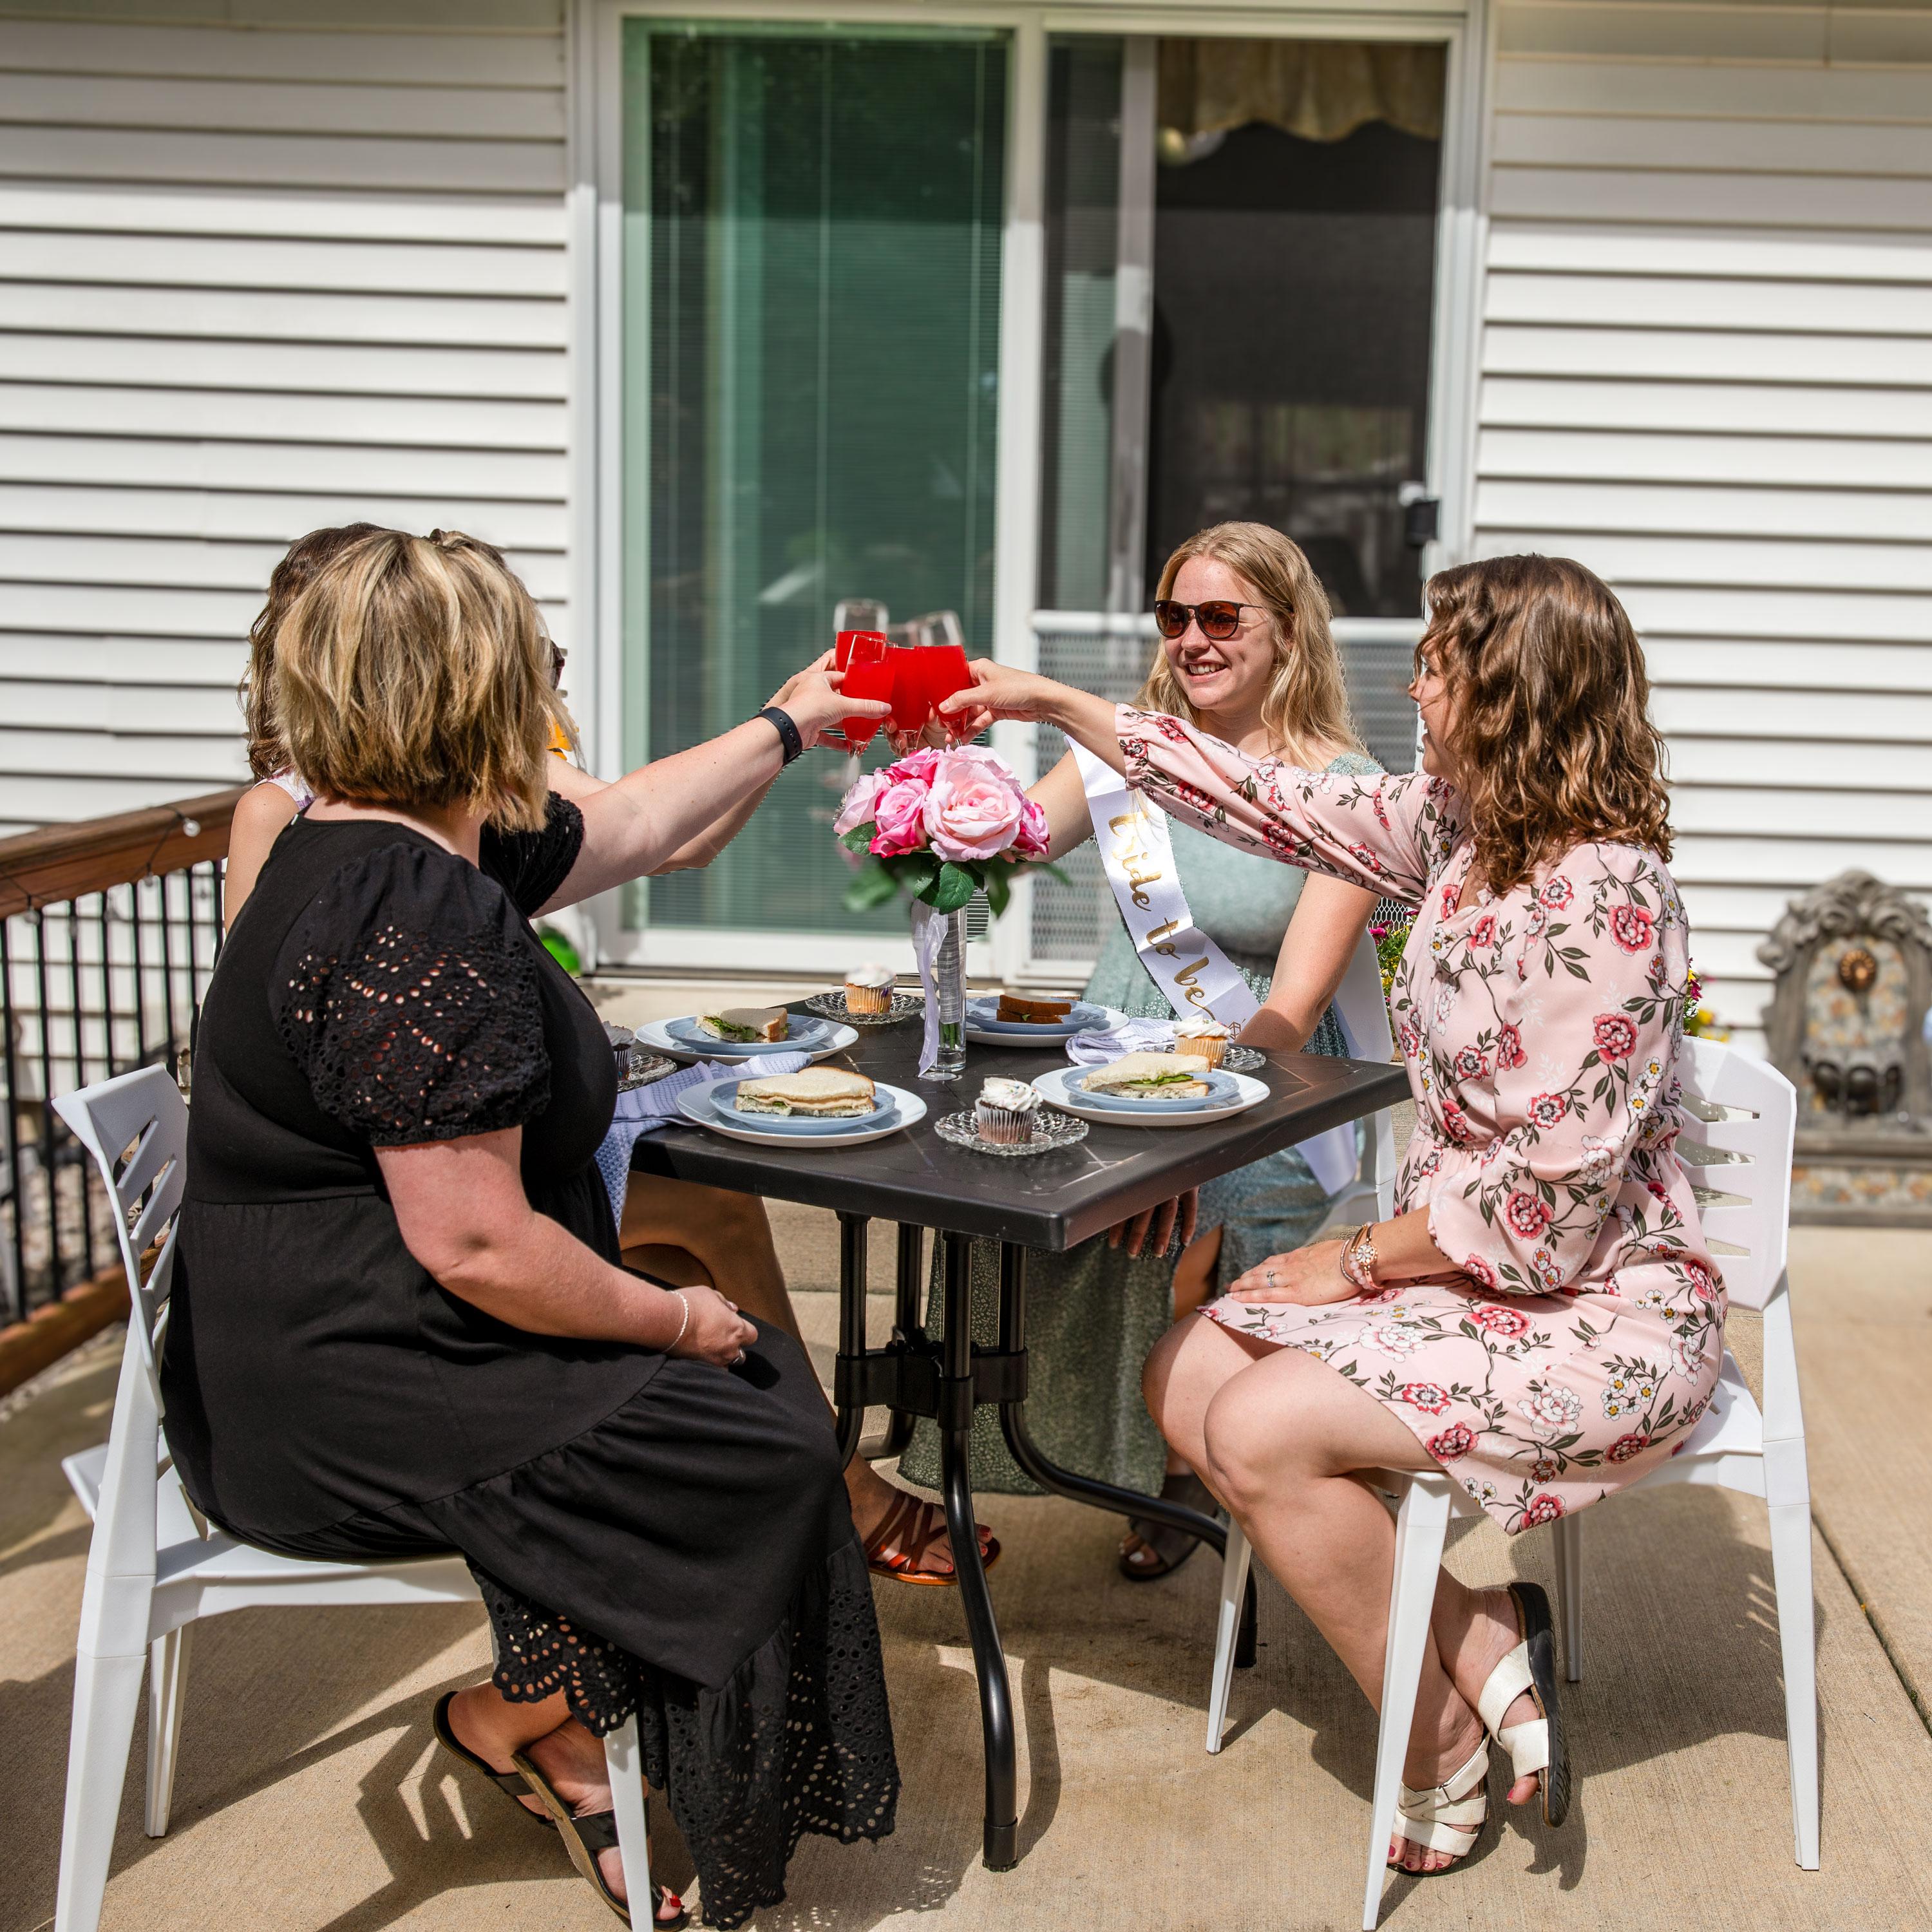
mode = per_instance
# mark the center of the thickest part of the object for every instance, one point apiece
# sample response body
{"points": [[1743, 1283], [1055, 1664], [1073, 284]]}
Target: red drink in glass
{"points": [[863, 646], [942, 671], [866, 678], [911, 707]]}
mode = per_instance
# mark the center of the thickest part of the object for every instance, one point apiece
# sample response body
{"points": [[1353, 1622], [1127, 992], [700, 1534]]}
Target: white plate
{"points": [[1054, 1088], [1047, 1036], [694, 1104], [652, 1033]]}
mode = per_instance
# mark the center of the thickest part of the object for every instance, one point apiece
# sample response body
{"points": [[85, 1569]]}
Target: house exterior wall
{"points": [[300, 269], [1707, 368], [310, 264]]}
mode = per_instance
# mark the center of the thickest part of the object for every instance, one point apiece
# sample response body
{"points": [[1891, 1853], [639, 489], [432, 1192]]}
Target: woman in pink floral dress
{"points": [[1541, 1319]]}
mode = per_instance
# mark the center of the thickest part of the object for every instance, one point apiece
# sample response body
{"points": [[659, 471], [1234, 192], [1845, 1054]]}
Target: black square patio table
{"points": [[1052, 1200]]}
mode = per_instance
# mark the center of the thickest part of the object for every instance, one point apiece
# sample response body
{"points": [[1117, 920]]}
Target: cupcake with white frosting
{"points": [[1006, 1112], [869, 989], [1204, 1036]]}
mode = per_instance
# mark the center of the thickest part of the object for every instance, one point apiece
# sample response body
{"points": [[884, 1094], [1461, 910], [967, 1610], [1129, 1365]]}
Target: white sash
{"points": [[1196, 976]]}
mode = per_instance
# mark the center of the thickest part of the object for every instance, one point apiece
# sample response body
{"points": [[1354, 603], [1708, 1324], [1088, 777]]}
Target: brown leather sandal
{"points": [[914, 1525]]}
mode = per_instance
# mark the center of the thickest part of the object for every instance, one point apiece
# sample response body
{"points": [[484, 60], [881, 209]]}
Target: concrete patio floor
{"points": [[310, 1797]]}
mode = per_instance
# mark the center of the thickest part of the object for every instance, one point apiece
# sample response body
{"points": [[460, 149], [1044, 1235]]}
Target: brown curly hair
{"points": [[267, 754], [1552, 731]]}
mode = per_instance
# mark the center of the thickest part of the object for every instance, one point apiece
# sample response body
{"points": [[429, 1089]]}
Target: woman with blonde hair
{"points": [[694, 1235], [1541, 1318], [400, 1322], [1246, 651]]}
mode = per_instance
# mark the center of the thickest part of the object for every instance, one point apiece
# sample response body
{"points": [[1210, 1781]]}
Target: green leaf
{"points": [[859, 838], [1051, 871], [956, 885], [916, 873], [999, 891]]}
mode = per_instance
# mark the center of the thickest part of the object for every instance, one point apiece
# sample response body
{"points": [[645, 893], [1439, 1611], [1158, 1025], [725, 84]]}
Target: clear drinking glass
{"points": [[949, 976]]}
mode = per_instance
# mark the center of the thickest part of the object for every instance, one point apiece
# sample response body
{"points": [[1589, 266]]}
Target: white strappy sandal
{"points": [[1448, 1817], [1536, 1748]]}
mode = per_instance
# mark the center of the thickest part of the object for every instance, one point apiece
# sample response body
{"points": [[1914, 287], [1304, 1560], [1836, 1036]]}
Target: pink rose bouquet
{"points": [[941, 825]]}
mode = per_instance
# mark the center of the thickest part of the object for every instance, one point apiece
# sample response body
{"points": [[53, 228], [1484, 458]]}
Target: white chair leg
{"points": [[1570, 1593], [625, 1761], [1791, 1574], [1421, 1525], [106, 1694], [167, 1678], [1234, 1587]]}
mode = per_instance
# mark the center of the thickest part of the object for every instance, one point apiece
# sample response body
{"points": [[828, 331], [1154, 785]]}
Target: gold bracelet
{"points": [[1358, 1257]]}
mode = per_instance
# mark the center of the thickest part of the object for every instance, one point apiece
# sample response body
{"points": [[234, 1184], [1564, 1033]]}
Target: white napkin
{"points": [[1097, 1049], [644, 1109]]}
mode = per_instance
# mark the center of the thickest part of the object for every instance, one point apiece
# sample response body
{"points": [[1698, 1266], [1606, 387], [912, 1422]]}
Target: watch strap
{"points": [[788, 732]]}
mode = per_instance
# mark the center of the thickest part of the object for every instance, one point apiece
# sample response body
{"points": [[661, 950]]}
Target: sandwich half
{"points": [[1151, 1076], [742, 1023], [1031, 1011], [824, 1093]]}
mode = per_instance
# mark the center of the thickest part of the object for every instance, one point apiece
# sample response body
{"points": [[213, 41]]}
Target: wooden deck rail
{"points": [[64, 861]]}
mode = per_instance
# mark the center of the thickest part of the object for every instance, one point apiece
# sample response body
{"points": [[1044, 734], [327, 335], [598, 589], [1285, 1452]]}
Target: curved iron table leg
{"points": [[1050, 1476], [989, 1660], [906, 1321], [851, 1323]]}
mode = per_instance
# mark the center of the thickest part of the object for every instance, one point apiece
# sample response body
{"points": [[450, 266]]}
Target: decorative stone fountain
{"points": [[1846, 1025]]}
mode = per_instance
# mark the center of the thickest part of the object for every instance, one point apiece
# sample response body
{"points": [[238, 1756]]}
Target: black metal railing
{"points": [[109, 930]]}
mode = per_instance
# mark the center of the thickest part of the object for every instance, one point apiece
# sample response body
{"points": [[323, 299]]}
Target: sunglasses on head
{"points": [[1217, 618]]}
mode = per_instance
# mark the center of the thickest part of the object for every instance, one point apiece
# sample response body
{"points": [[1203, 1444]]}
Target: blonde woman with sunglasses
{"points": [[1246, 653]]}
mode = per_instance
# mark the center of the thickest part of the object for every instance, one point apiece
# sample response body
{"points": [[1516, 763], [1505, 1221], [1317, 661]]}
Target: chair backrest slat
{"points": [[1744, 1113]]}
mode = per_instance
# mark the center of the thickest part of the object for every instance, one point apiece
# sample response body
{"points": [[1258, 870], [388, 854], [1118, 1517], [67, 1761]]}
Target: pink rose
{"points": [[1542, 1509], [974, 810], [1528, 1214], [855, 809], [1032, 839], [1631, 927], [1458, 1439], [1479, 1271], [1508, 1323], [899, 814], [1616, 1036]]}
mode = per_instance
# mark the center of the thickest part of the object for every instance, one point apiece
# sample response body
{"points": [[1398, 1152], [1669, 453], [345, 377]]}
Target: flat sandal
{"points": [[584, 1836], [915, 1525], [1538, 1748], [513, 1784]]}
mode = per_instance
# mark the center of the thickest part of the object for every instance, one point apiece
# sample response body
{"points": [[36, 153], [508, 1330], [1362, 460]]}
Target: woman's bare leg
{"points": [[712, 1237], [1280, 1438]]}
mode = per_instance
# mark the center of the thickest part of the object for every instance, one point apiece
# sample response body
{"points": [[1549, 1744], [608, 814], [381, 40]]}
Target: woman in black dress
{"points": [[399, 1322]]}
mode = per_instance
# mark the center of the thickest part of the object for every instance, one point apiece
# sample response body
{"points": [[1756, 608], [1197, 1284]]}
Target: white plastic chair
{"points": [[155, 1566], [1741, 1114], [1362, 1007]]}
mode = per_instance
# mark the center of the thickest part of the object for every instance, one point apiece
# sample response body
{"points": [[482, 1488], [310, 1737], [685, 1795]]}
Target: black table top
{"points": [[1053, 1201]]}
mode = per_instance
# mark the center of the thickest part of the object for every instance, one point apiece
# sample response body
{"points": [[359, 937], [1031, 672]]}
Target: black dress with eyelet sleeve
{"points": [[648, 1534]]}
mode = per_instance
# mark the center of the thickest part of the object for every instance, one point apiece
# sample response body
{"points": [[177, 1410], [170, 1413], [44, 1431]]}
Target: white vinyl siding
{"points": [[1708, 375], [255, 279]]}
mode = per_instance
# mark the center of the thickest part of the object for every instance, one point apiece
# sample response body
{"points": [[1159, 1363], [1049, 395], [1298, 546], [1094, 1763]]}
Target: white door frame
{"points": [[595, 205]]}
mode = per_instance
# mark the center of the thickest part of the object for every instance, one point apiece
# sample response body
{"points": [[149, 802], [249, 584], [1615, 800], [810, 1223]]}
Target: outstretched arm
{"points": [[642, 823]]}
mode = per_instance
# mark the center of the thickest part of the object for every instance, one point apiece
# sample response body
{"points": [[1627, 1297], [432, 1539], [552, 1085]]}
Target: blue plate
{"points": [[807, 1035], [725, 1093], [1081, 1018], [1222, 1088]]}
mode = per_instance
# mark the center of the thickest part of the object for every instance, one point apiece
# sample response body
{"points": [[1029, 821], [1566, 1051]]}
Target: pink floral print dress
{"points": [[1582, 1337]]}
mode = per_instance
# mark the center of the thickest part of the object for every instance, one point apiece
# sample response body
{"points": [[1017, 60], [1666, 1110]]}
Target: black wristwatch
{"points": [[787, 731]]}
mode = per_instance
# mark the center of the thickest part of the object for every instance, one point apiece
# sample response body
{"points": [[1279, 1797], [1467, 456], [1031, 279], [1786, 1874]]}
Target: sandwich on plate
{"points": [[819, 1093], [745, 1024], [1150, 1076], [1031, 1009]]}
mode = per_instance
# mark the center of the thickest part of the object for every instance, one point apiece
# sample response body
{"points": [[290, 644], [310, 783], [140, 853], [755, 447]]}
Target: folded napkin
{"points": [[645, 1109], [1097, 1049]]}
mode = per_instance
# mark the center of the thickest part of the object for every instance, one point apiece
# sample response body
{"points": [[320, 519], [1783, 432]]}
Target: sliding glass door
{"points": [[810, 358]]}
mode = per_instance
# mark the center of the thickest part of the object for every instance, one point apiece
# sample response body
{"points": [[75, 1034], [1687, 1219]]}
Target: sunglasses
{"points": [[1218, 618], [557, 657]]}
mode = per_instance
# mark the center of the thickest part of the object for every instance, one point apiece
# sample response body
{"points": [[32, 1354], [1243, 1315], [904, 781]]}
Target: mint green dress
{"points": [[1092, 1314]]}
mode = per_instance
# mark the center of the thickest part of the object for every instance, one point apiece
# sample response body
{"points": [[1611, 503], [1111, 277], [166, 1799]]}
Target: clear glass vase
{"points": [[939, 941]]}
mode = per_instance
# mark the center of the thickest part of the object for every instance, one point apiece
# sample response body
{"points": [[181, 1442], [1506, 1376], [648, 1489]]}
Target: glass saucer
{"points": [[1051, 1129], [1244, 1059], [640, 1067], [832, 1006]]}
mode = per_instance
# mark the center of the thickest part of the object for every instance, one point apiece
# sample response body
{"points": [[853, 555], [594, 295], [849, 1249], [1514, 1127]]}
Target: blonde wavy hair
{"points": [[1305, 708], [415, 671], [1551, 733], [267, 754]]}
